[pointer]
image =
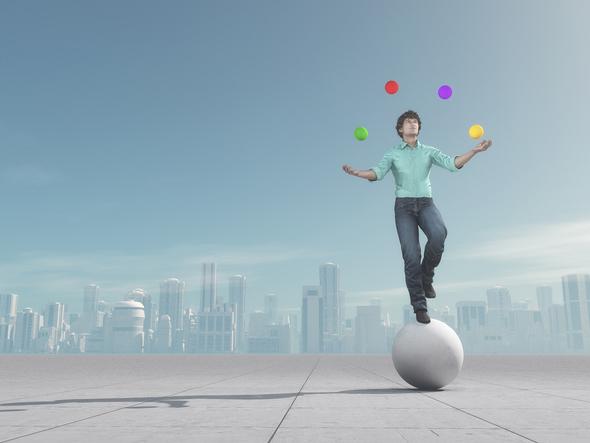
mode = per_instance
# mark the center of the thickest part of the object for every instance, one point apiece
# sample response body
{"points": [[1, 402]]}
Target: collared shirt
{"points": [[411, 168]]}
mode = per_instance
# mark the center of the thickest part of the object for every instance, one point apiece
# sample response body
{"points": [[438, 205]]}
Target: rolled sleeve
{"points": [[383, 166], [443, 160]]}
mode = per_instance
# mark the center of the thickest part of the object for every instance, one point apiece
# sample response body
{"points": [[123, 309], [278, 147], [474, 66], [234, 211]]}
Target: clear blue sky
{"points": [[140, 138]]}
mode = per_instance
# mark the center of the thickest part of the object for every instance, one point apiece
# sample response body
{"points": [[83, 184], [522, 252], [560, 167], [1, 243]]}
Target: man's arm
{"points": [[373, 174], [367, 174], [460, 160]]}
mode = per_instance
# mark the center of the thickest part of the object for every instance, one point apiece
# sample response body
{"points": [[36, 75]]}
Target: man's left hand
{"points": [[485, 144]]}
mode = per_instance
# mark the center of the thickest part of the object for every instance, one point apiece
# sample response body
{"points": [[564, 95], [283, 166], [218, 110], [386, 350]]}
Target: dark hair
{"points": [[405, 115]]}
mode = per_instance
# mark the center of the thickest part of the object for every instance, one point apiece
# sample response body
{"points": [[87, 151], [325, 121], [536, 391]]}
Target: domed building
{"points": [[127, 327]]}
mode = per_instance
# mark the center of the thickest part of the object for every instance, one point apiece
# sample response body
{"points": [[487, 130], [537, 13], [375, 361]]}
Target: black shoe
{"points": [[422, 316], [428, 290]]}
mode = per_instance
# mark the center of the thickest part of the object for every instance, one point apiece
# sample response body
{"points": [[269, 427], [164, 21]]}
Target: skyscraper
{"points": [[171, 303], [471, 316], [312, 321], [208, 287], [256, 324], [8, 305], [55, 317], [164, 334], [330, 293], [91, 298], [499, 307], [471, 325], [369, 330], [27, 327], [576, 300], [544, 297], [90, 308], [545, 302], [237, 297], [271, 306]]}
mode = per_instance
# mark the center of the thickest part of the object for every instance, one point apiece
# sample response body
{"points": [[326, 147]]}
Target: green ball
{"points": [[361, 133]]}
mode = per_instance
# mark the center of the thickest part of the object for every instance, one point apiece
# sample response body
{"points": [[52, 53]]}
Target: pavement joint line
{"points": [[525, 389], [454, 407], [136, 404], [294, 398]]}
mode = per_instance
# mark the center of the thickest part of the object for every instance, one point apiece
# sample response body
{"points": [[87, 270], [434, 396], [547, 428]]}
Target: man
{"points": [[410, 163]]}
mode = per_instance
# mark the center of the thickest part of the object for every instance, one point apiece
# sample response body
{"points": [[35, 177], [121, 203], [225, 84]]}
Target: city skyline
{"points": [[501, 323]]}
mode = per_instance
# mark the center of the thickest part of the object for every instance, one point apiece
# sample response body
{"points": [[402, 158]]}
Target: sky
{"points": [[139, 139]]}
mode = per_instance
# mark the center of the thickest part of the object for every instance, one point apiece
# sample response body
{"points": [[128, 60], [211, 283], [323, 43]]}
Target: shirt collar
{"points": [[404, 145]]}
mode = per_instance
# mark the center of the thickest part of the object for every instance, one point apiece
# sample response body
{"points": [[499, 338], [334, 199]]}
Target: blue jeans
{"points": [[411, 213]]}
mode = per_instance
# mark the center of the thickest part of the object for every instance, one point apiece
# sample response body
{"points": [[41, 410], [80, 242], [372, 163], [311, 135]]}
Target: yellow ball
{"points": [[475, 131]]}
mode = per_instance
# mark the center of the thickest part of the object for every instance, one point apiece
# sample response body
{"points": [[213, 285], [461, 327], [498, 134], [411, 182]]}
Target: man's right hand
{"points": [[367, 175], [349, 170]]}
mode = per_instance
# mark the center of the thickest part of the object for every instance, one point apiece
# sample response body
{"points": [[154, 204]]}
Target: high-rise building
{"points": [[557, 327], [544, 302], [90, 317], [526, 330], [293, 322], [55, 317], [330, 293], [312, 320], [6, 336], [8, 306], [46, 341], [471, 316], [471, 325], [164, 334], [271, 308], [499, 307], [27, 328], [544, 297], [576, 300], [237, 296], [171, 303], [8, 303], [369, 332], [216, 330], [446, 315], [91, 293], [208, 287], [127, 327]]}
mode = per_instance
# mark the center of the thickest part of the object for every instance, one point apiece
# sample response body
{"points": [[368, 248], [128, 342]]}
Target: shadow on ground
{"points": [[180, 401]]}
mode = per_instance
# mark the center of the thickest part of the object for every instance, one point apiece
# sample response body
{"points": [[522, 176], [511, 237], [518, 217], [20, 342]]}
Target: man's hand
{"points": [[349, 170], [482, 146]]}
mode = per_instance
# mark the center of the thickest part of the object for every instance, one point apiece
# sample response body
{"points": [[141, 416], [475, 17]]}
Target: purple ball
{"points": [[445, 92]]}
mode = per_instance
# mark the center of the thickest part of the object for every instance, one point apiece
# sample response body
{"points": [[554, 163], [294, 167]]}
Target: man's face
{"points": [[410, 126]]}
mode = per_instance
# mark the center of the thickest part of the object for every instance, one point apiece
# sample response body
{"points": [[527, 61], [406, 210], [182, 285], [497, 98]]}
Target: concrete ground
{"points": [[289, 398]]}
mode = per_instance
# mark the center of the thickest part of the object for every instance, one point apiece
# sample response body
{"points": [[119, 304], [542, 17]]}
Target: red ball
{"points": [[391, 87]]}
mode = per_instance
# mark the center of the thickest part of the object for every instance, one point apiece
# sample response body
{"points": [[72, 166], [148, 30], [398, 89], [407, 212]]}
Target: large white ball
{"points": [[427, 356]]}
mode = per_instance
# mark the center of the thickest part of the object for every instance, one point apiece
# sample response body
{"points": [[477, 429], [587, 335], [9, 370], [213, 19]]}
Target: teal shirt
{"points": [[411, 168]]}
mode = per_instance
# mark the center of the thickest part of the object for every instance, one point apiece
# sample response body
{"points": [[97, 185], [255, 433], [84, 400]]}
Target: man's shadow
{"points": [[180, 401]]}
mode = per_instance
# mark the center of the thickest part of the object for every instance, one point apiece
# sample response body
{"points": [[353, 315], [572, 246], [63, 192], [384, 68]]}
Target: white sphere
{"points": [[427, 356]]}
